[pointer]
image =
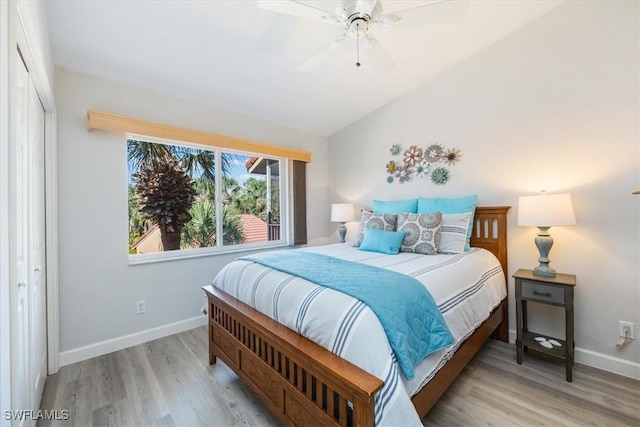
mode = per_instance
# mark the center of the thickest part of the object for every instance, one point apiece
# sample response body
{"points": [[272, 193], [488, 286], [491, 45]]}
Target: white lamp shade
{"points": [[546, 210], [342, 212]]}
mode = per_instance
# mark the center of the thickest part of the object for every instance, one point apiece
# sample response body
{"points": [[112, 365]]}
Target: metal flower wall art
{"points": [[430, 162]]}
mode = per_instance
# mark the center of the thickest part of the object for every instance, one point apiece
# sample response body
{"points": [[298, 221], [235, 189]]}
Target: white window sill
{"points": [[152, 258]]}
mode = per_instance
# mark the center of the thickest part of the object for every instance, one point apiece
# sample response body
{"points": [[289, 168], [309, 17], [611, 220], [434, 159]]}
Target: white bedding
{"points": [[466, 287]]}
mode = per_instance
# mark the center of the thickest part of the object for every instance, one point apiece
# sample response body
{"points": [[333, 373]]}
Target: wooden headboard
{"points": [[490, 232]]}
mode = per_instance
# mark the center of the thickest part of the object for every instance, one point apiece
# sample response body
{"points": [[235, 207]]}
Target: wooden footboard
{"points": [[301, 382], [304, 384]]}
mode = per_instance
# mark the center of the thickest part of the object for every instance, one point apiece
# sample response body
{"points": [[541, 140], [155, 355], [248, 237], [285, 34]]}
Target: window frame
{"points": [[220, 248]]}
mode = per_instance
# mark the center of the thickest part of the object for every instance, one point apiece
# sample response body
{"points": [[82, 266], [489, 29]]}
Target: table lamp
{"points": [[545, 211], [342, 212]]}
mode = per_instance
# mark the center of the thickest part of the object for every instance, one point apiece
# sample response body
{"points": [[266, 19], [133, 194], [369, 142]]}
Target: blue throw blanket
{"points": [[414, 325]]}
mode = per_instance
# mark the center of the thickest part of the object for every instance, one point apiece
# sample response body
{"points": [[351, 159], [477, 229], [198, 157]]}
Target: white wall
{"points": [[552, 106], [98, 288]]}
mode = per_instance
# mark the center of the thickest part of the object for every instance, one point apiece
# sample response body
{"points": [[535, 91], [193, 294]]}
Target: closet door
{"points": [[20, 384], [29, 327], [37, 274]]}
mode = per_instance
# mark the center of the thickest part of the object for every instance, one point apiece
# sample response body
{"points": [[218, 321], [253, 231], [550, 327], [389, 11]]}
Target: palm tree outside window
{"points": [[173, 202]]}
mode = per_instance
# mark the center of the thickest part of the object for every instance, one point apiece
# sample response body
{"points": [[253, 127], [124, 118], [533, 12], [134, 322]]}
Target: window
{"points": [[201, 200]]}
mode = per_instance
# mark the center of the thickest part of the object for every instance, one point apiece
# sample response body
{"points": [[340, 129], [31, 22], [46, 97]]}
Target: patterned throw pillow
{"points": [[386, 222], [423, 232]]}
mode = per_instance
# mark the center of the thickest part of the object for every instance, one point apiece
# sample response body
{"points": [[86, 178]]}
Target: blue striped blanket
{"points": [[409, 316]]}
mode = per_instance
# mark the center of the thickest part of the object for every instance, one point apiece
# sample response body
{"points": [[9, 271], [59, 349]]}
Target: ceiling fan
{"points": [[358, 19]]}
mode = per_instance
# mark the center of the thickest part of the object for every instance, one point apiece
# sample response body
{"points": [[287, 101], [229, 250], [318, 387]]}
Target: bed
{"points": [[303, 382]]}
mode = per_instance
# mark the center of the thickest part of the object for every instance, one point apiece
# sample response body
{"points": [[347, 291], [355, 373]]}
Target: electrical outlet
{"points": [[627, 330], [140, 307]]}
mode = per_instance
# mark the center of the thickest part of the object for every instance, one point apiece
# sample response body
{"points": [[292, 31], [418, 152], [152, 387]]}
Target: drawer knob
{"points": [[542, 294]]}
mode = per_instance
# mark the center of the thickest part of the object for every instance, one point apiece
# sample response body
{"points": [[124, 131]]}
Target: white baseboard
{"points": [[98, 349], [601, 361], [612, 364]]}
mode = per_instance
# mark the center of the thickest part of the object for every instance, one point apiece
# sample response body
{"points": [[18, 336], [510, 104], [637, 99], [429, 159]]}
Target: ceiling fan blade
{"points": [[321, 11], [377, 55], [321, 55], [429, 12]]}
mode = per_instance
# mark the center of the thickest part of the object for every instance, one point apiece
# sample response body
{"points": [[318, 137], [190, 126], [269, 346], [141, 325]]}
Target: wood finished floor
{"points": [[168, 382]]}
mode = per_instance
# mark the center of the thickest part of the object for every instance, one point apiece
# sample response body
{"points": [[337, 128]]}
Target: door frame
{"points": [[5, 276]]}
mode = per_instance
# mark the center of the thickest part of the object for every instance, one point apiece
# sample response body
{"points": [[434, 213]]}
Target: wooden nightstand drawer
{"points": [[541, 292]]}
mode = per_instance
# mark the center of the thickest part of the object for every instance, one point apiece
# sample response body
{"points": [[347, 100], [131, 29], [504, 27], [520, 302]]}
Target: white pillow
{"points": [[453, 234]]}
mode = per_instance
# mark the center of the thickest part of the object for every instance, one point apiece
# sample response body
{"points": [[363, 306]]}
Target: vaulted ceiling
{"points": [[236, 56]]}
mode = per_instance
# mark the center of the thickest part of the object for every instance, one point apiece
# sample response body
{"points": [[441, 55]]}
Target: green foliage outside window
{"points": [[173, 188]]}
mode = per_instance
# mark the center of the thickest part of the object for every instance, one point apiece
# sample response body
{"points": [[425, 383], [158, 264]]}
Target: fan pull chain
{"points": [[357, 44]]}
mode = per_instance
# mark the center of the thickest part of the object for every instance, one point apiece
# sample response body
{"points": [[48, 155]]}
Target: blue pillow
{"points": [[395, 206], [386, 242], [450, 206]]}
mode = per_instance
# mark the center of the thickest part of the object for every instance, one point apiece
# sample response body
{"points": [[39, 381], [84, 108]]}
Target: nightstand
{"points": [[556, 291]]}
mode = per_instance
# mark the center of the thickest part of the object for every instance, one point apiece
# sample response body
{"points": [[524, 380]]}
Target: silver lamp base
{"points": [[544, 271], [342, 230], [544, 242]]}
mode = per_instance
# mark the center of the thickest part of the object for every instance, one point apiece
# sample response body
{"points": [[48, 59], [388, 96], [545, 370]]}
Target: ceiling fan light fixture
{"points": [[358, 26], [369, 42], [358, 19], [389, 20]]}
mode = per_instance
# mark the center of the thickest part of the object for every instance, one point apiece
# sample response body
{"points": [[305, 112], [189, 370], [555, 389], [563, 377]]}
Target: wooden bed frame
{"points": [[302, 383]]}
